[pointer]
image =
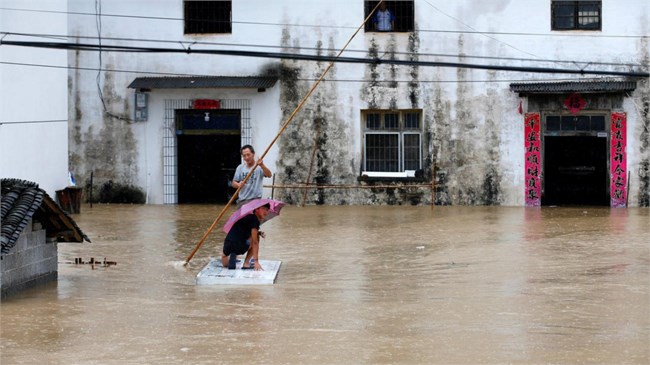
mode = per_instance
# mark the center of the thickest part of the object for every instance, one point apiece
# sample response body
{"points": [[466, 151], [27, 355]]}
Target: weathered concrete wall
{"points": [[472, 132], [32, 261]]}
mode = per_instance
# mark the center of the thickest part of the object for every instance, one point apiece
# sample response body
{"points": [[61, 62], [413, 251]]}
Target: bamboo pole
{"points": [[433, 184], [343, 186], [627, 192], [284, 126]]}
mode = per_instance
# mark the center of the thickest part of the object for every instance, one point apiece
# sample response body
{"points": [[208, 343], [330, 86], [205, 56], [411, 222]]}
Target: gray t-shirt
{"points": [[253, 187]]}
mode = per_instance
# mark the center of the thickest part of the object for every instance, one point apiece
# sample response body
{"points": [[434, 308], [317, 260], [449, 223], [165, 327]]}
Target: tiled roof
{"points": [[209, 82], [20, 201], [573, 86]]}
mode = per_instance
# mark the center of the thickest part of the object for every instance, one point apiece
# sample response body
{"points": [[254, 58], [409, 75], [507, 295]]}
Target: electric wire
{"points": [[98, 22], [249, 45], [321, 58], [419, 81], [483, 34]]}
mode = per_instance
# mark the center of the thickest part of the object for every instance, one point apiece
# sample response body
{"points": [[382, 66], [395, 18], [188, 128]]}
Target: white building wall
{"points": [[460, 106], [33, 100]]}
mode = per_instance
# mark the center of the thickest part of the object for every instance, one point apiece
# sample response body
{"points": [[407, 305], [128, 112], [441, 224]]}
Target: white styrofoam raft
{"points": [[215, 274]]}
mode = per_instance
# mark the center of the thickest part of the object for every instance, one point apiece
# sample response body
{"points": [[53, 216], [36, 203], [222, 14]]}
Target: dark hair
{"points": [[249, 147], [267, 206]]}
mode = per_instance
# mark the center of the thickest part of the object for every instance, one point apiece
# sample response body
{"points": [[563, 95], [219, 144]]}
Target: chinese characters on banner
{"points": [[533, 160], [618, 161]]}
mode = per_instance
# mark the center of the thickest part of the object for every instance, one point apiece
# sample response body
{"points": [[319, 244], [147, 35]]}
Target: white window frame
{"points": [[419, 134], [401, 132]]}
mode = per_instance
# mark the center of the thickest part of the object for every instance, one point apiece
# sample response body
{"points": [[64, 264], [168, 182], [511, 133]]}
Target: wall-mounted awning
{"points": [[203, 82], [573, 87]]}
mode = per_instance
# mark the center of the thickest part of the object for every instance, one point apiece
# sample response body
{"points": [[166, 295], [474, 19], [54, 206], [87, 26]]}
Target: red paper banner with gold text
{"points": [[618, 160], [533, 163]]}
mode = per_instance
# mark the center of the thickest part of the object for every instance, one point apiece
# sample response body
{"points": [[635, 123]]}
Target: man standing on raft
{"points": [[253, 187]]}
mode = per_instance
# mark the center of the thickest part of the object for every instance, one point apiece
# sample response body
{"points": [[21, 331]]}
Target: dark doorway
{"points": [[575, 171], [208, 153]]}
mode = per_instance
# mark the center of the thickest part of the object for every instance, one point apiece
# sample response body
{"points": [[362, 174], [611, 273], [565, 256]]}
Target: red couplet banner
{"points": [[533, 163], [618, 160]]}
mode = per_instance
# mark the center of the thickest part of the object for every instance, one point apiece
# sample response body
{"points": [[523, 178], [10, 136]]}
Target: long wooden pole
{"points": [[344, 186], [284, 126]]}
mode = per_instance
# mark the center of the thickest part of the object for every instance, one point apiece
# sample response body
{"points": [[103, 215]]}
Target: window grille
{"points": [[205, 17], [170, 158], [392, 141], [382, 152]]}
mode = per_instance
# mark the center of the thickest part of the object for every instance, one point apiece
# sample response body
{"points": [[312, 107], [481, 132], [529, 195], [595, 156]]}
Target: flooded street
{"points": [[357, 285]]}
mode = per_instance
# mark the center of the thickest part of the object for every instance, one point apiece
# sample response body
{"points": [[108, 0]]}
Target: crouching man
{"points": [[244, 238]]}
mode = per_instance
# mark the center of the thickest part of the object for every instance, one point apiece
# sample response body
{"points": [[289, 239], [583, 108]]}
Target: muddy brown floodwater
{"points": [[358, 285]]}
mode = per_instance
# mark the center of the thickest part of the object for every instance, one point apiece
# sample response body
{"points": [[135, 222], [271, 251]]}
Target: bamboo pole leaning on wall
{"points": [[433, 185]]}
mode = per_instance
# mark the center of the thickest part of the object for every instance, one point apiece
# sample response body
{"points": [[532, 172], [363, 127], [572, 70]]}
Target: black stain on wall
{"points": [[644, 135], [315, 147], [75, 137], [367, 93], [110, 153], [644, 150], [413, 85], [492, 178], [440, 137], [466, 162]]}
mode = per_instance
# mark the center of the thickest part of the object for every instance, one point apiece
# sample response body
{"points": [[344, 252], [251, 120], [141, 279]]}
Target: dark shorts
{"points": [[238, 248]]}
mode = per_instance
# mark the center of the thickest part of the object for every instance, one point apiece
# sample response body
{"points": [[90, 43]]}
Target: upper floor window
{"points": [[204, 17], [392, 140], [570, 15], [391, 16]]}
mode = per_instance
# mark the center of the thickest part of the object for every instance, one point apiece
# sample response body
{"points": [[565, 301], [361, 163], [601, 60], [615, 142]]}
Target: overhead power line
{"points": [[319, 58], [419, 81], [248, 45]]}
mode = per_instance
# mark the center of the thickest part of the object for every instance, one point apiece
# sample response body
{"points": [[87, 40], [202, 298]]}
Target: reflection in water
{"points": [[411, 285]]}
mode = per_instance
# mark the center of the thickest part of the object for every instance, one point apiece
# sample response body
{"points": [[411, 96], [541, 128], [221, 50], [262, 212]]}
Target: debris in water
{"points": [[80, 261]]}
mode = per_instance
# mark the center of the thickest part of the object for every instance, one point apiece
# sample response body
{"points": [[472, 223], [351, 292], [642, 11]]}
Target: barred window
{"points": [[571, 15], [206, 17], [392, 140], [397, 16]]}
